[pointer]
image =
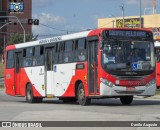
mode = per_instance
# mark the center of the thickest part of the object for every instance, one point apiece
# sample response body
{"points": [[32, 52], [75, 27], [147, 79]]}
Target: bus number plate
{"points": [[130, 88]]}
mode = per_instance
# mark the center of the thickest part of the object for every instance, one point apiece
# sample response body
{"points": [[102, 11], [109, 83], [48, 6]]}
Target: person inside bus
{"points": [[81, 57], [134, 56]]}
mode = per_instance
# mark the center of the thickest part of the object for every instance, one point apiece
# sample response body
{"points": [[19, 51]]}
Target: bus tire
{"points": [[29, 94], [126, 100], [82, 99]]}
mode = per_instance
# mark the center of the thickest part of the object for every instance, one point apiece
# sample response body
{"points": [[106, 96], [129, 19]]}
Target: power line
{"points": [[56, 28]]}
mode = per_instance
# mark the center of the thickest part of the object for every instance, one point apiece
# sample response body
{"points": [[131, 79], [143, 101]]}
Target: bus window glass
{"points": [[10, 55], [29, 52], [68, 46], [10, 59], [68, 54], [81, 53], [27, 57], [38, 58], [81, 44], [120, 55]]}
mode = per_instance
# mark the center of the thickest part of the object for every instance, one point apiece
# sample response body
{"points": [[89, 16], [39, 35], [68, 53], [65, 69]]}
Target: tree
{"points": [[17, 38]]}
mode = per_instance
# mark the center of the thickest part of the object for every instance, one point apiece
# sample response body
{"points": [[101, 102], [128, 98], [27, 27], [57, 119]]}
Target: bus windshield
{"points": [[127, 56]]}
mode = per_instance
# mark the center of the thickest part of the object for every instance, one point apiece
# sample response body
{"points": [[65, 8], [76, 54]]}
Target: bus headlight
{"points": [[106, 82], [153, 81]]}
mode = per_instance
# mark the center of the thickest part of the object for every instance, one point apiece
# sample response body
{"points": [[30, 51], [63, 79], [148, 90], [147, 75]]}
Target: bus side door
{"points": [[49, 70], [17, 72], [93, 67]]}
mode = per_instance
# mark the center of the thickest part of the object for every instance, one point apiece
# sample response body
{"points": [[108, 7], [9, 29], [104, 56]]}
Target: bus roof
{"points": [[53, 39]]}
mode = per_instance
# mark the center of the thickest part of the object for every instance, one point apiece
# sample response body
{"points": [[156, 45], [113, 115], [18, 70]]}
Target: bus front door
{"points": [[17, 72], [92, 67], [49, 71]]}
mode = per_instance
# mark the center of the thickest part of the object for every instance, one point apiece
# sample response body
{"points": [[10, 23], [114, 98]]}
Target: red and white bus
{"points": [[101, 63], [157, 53]]}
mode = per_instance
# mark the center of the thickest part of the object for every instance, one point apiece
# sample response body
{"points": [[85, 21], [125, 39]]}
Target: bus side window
{"points": [[27, 57], [81, 53], [68, 52], [38, 58], [60, 52], [10, 60]]}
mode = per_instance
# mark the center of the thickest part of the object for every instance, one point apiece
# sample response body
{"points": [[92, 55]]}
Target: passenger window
{"points": [[68, 55], [28, 57], [81, 52], [10, 60], [38, 58]]}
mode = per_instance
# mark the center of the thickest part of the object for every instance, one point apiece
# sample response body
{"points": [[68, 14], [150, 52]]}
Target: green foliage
{"points": [[16, 38], [1, 69]]}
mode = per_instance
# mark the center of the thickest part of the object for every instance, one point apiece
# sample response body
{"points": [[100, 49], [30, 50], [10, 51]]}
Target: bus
{"points": [[157, 54], [94, 64]]}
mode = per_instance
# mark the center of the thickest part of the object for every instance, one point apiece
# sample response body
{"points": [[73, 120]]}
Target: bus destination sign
{"points": [[123, 33]]}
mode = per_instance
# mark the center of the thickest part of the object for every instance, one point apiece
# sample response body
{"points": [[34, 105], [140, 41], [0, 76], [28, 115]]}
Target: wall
{"points": [[149, 21]]}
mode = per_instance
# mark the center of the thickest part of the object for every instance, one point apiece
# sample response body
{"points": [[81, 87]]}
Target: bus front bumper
{"points": [[122, 90]]}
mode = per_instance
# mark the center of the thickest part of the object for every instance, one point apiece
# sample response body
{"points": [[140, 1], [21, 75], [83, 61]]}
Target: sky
{"points": [[59, 17]]}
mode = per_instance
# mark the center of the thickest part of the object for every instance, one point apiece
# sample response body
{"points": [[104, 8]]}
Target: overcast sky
{"points": [[77, 15]]}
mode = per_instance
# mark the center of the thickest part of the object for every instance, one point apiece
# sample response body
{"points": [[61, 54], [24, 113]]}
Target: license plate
{"points": [[130, 88]]}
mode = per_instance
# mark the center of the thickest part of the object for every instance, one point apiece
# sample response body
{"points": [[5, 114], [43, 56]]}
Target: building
{"points": [[19, 8], [147, 21]]}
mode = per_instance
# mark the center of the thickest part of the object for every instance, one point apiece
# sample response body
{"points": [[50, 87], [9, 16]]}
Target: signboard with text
{"points": [[129, 23]]}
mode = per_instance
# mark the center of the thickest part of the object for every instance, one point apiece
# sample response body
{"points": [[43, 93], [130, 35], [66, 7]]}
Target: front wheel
{"points": [[82, 99], [126, 100]]}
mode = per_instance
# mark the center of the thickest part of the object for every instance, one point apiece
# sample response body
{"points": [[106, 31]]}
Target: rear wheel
{"points": [[126, 100], [30, 97], [29, 94], [82, 99]]}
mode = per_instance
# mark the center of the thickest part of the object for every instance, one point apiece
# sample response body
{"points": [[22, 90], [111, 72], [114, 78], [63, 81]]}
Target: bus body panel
{"points": [[158, 74], [9, 82], [63, 74], [36, 76], [78, 75]]}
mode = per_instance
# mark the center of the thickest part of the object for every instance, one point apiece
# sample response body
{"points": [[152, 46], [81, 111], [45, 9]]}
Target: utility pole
{"points": [[24, 38], [113, 23], [122, 7], [140, 18]]}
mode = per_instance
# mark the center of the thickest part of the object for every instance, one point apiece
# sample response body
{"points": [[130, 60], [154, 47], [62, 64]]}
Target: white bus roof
{"points": [[54, 39]]}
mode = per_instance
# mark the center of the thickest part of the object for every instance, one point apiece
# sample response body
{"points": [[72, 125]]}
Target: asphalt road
{"points": [[17, 109]]}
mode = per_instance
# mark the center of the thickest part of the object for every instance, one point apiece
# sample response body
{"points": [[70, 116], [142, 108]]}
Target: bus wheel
{"points": [[126, 100], [29, 94], [82, 99]]}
